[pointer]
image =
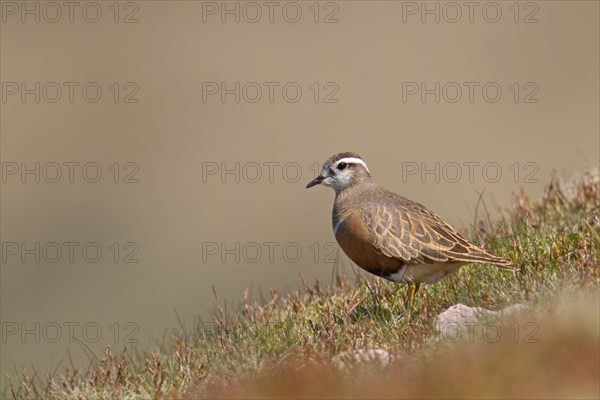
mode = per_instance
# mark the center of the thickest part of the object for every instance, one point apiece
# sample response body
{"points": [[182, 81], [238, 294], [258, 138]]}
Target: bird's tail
{"points": [[480, 256]]}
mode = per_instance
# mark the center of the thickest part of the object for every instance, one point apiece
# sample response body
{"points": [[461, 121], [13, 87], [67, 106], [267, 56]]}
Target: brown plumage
{"points": [[390, 235]]}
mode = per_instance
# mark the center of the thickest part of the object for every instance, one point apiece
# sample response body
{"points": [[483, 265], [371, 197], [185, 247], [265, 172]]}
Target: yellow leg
{"points": [[413, 287]]}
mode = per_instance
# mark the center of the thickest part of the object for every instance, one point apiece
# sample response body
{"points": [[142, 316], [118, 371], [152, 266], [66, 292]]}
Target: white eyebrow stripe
{"points": [[353, 160]]}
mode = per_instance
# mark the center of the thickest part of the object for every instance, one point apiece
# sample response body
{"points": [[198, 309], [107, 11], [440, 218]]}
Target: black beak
{"points": [[315, 181]]}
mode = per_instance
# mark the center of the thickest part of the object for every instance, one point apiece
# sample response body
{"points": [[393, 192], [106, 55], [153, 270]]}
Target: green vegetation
{"points": [[283, 347]]}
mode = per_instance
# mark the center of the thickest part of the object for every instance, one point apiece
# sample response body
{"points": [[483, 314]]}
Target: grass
{"points": [[283, 347]]}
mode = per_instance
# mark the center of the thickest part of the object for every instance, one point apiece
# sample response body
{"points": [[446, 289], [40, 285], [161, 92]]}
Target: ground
{"points": [[284, 346]]}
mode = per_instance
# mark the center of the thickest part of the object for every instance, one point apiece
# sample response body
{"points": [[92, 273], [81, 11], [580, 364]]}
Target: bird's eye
{"points": [[342, 165]]}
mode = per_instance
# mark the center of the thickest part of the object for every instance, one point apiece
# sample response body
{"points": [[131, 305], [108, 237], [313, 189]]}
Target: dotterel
{"points": [[391, 236]]}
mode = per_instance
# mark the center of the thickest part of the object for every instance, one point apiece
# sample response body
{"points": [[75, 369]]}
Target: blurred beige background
{"points": [[182, 216]]}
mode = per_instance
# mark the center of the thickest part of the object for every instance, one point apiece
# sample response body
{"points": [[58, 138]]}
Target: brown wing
{"points": [[406, 230]]}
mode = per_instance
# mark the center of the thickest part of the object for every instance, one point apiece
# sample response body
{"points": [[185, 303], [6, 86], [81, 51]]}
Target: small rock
{"points": [[464, 323], [374, 357], [461, 315]]}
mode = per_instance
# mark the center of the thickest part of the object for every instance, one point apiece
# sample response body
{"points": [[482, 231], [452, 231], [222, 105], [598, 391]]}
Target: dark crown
{"points": [[334, 158]]}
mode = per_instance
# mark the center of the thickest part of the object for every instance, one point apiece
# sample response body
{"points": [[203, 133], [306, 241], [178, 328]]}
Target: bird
{"points": [[390, 235]]}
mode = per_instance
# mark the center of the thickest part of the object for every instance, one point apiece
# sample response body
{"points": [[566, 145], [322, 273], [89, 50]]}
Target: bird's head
{"points": [[342, 171]]}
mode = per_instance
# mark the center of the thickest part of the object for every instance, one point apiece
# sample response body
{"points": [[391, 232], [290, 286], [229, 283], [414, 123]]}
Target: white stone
{"points": [[464, 323], [374, 357]]}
